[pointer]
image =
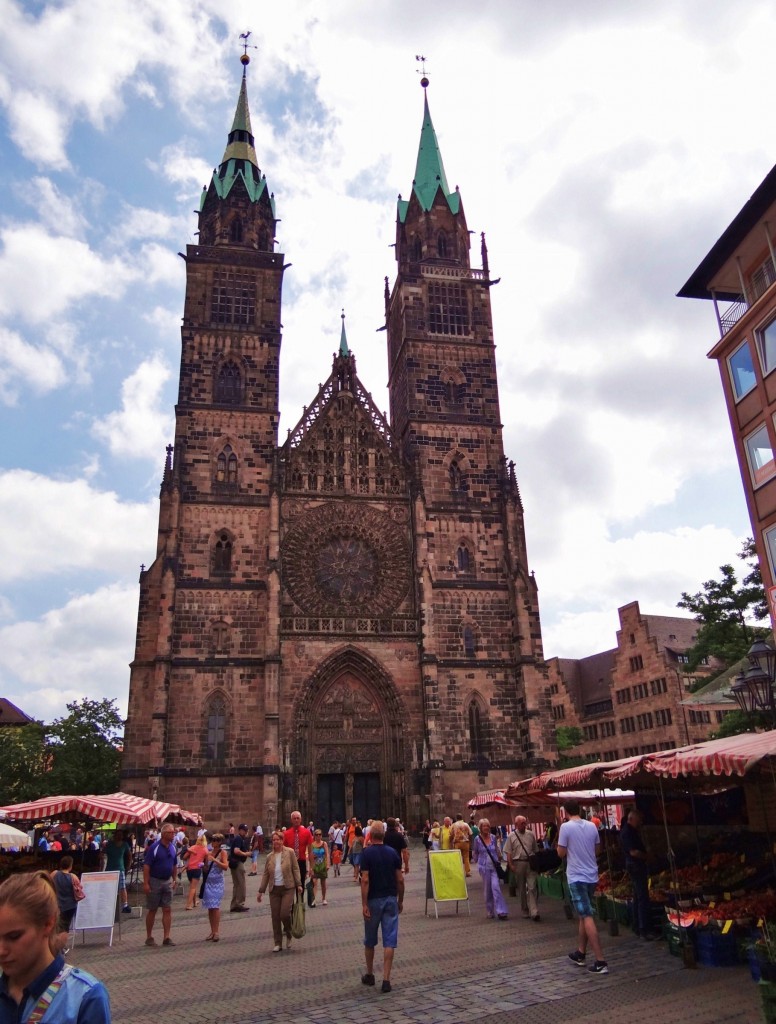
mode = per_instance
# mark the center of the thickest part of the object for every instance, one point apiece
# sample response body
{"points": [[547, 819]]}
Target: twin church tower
{"points": [[343, 623]]}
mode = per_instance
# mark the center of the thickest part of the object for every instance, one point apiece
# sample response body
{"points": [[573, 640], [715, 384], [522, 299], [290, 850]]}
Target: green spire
{"points": [[343, 349], [429, 170], [240, 143]]}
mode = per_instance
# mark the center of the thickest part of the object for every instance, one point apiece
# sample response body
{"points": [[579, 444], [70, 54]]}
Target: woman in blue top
{"points": [[33, 979]]}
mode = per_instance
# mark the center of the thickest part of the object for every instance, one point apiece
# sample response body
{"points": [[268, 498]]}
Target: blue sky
{"points": [[603, 155]]}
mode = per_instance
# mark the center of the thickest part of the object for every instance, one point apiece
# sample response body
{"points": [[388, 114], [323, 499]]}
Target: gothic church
{"points": [[344, 623]]}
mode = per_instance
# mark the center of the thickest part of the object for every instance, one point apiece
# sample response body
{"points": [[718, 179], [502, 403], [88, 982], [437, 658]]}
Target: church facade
{"points": [[344, 623]]}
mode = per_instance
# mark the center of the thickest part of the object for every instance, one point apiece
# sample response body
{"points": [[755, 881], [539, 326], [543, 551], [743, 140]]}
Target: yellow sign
{"points": [[447, 878]]}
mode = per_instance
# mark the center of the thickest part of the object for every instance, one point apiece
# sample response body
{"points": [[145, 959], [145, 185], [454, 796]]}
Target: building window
{"points": [[442, 245], [759, 454], [228, 386], [463, 558], [416, 251], [226, 466], [766, 345], [644, 721], [700, 717], [469, 648], [639, 691], [611, 755], [554, 690], [630, 751], [769, 536], [477, 737], [741, 370], [608, 729], [636, 663], [628, 725], [658, 686], [448, 309], [222, 554], [236, 230], [590, 731], [648, 748], [721, 716], [558, 712], [219, 633], [624, 696], [457, 479], [663, 716], [215, 747], [233, 300]]}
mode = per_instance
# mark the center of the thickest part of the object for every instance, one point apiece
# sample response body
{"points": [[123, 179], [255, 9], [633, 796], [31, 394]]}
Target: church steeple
{"points": [[431, 225], [237, 184]]}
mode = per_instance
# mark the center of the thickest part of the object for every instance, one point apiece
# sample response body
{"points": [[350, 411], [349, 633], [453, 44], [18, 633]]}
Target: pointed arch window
{"points": [[469, 643], [463, 559], [215, 723], [236, 230], [222, 553], [477, 733], [457, 479], [416, 250], [226, 466], [442, 246], [219, 632], [228, 387]]}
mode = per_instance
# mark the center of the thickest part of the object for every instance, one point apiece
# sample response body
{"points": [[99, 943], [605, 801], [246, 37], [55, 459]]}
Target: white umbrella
{"points": [[10, 836]]}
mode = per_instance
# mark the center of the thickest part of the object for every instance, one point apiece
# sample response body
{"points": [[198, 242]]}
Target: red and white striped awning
{"points": [[120, 808], [566, 778], [490, 797], [732, 755]]}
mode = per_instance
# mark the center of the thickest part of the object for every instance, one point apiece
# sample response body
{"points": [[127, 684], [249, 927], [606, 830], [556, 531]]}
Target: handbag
{"points": [[298, 926], [502, 874], [78, 889], [205, 872], [541, 860]]}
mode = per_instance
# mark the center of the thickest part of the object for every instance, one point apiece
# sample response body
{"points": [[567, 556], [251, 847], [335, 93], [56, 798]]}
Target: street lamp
{"points": [[753, 690]]}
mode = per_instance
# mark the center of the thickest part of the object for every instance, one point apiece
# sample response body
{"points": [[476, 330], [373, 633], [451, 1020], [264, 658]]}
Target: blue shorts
{"points": [[383, 911], [581, 894]]}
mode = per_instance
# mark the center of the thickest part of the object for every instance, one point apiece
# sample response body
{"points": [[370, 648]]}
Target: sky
{"points": [[602, 146]]}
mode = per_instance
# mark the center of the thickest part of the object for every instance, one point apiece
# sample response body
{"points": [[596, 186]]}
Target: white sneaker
{"points": [[276, 949], [324, 904]]}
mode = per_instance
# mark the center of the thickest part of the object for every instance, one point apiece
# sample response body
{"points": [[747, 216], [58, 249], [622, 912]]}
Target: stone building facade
{"points": [[631, 700], [345, 622]]}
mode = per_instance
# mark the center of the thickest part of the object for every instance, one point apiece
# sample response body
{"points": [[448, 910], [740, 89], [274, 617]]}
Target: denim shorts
{"points": [[383, 911], [581, 894]]}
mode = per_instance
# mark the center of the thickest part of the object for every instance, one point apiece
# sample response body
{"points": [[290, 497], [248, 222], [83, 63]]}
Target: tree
{"points": [[566, 738], [84, 749], [736, 722], [23, 761], [726, 610]]}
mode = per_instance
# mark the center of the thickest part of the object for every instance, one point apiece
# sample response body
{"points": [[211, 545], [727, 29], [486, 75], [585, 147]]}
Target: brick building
{"points": [[344, 623], [739, 275], [630, 700]]}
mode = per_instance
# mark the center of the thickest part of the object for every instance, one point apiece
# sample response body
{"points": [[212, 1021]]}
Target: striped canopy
{"points": [[732, 755], [120, 808]]}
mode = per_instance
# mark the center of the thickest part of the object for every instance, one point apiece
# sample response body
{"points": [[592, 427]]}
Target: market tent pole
{"points": [[688, 953]]}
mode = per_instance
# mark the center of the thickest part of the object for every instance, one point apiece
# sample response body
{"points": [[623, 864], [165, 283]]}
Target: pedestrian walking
{"points": [[579, 846], [518, 848], [487, 854], [160, 873], [382, 900], [238, 854], [283, 879], [216, 864]]}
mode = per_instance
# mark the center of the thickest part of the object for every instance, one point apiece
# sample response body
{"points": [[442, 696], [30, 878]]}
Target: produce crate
{"points": [[601, 908], [716, 950], [619, 911], [768, 999], [676, 937], [553, 886]]}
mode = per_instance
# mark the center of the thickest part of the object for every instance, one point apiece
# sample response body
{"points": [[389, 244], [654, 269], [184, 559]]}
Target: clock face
{"points": [[340, 559], [347, 569]]}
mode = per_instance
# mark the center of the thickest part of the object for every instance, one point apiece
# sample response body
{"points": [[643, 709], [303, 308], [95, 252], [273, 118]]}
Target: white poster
{"points": [[98, 908]]}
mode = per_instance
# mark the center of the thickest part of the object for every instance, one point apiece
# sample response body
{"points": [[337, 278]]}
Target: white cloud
{"points": [[68, 526], [37, 367], [80, 650], [140, 429], [42, 275], [56, 210]]}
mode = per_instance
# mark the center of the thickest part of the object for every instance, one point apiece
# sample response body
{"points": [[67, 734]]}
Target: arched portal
{"points": [[349, 741]]}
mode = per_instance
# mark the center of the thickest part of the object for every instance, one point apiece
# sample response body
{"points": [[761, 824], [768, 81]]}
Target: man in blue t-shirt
{"points": [[382, 898], [579, 846], [160, 871]]}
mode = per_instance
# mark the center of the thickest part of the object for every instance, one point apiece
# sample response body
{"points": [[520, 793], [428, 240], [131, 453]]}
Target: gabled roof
{"points": [[745, 221], [430, 174], [11, 715]]}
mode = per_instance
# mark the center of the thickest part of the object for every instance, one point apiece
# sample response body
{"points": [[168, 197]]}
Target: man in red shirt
{"points": [[299, 839]]}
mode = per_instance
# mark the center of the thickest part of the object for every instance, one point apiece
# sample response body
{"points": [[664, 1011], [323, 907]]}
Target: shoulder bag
{"points": [[298, 926], [541, 860], [500, 871]]}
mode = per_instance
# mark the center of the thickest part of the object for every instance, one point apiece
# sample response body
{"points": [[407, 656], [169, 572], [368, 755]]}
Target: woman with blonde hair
{"points": [[284, 880], [34, 978], [194, 857], [486, 851]]}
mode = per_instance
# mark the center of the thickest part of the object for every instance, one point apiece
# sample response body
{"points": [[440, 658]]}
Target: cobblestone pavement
{"points": [[492, 968]]}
